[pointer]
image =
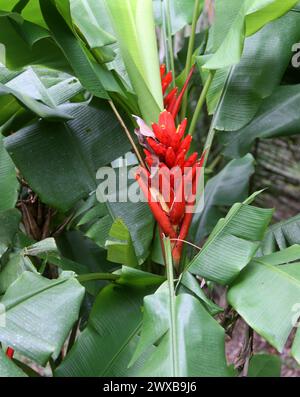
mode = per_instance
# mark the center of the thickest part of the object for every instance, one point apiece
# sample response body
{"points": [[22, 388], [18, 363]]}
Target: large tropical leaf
{"points": [[135, 31], [88, 72], [62, 48], [277, 116], [93, 138], [266, 295], [232, 243], [243, 88], [30, 93], [7, 367], [40, 314], [199, 339], [35, 106], [236, 19], [106, 345], [28, 44], [50, 87], [224, 189], [93, 21]]}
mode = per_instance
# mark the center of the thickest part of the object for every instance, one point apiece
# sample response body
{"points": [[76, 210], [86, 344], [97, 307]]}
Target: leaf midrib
{"points": [[276, 269], [123, 346], [217, 234], [27, 297]]}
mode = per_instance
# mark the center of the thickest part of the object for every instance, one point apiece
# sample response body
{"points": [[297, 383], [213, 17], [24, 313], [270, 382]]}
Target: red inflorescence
{"points": [[167, 156], [172, 100]]}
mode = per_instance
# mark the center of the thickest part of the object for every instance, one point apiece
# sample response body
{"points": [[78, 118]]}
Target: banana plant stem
{"points": [[201, 102], [83, 278], [188, 64], [170, 276]]}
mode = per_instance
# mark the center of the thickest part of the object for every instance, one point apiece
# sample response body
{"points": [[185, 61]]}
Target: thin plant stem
{"points": [[166, 15], [208, 143], [188, 64], [83, 278], [170, 276], [214, 163], [186, 242], [121, 121], [201, 102]]}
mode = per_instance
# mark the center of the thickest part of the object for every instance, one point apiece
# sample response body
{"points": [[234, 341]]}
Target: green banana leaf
{"points": [[235, 20], [88, 72], [19, 52], [277, 116], [134, 27], [243, 88], [199, 339], [232, 243], [106, 345], [266, 294], [92, 139], [40, 314], [91, 17], [30, 88]]}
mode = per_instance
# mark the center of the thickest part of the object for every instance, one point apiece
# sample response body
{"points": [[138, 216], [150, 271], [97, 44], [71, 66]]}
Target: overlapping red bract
{"points": [[168, 151]]}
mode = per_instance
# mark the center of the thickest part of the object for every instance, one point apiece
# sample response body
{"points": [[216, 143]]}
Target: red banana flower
{"points": [[166, 153], [172, 100]]}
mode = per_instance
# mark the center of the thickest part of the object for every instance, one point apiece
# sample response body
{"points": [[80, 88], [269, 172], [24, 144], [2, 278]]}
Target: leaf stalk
{"points": [[170, 277]]}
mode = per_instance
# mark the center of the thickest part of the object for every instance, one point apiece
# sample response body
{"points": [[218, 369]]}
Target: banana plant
{"points": [[150, 287]]}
